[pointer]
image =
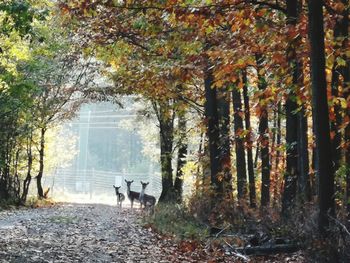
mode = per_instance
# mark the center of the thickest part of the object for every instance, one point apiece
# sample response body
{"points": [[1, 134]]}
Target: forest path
{"points": [[83, 233]]}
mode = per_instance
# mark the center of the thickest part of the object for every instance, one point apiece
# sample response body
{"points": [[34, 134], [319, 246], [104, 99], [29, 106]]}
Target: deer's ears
{"points": [[125, 180], [114, 186]]}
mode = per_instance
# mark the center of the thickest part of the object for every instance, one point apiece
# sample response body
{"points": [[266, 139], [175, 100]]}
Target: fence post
{"points": [[92, 178], [64, 181]]}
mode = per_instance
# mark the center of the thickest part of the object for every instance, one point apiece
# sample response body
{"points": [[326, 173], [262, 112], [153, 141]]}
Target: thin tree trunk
{"points": [[181, 158], [249, 141], [321, 114], [278, 152], [41, 164], [345, 71], [341, 38], [257, 153], [264, 139], [304, 184], [28, 179], [239, 143]]}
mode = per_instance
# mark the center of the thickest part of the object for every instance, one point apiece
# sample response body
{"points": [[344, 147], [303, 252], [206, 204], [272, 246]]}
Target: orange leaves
{"points": [[339, 7], [279, 58]]}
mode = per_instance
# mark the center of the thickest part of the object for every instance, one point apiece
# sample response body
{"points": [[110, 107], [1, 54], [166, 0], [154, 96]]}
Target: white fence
{"points": [[96, 186]]}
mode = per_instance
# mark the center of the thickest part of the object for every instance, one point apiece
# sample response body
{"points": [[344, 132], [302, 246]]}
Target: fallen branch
{"points": [[345, 229], [269, 249], [245, 258]]}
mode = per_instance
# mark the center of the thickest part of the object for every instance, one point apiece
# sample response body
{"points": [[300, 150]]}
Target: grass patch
{"points": [[175, 220]]}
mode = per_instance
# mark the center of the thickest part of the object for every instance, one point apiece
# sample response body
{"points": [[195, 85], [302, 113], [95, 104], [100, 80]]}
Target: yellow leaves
{"points": [[262, 71], [20, 52], [342, 102], [347, 53], [247, 22], [129, 2], [241, 63], [289, 80], [15, 49], [341, 62]]}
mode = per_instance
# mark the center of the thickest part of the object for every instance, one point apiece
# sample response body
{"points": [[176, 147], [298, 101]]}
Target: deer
{"points": [[120, 196], [145, 199], [133, 196]]}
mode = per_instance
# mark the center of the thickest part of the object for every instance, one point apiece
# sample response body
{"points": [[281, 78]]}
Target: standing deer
{"points": [[145, 199], [120, 196], [133, 196]]}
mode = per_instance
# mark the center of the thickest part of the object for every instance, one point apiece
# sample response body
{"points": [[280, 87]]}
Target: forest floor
{"points": [[97, 233]]}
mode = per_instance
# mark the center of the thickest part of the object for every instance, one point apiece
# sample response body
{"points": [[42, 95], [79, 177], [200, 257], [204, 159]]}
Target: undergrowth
{"points": [[175, 220], [35, 202], [8, 204]]}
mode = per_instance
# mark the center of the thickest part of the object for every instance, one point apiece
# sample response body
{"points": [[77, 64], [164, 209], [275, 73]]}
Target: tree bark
{"points": [[345, 71], [304, 183], [225, 143], [249, 141], [341, 41], [341, 38], [28, 179], [291, 174], [166, 131], [321, 114], [239, 143], [264, 138], [212, 117], [278, 152], [41, 163], [181, 158]]}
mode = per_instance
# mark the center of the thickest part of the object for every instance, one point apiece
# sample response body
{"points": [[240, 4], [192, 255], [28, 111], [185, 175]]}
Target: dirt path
{"points": [[82, 233], [96, 233]]}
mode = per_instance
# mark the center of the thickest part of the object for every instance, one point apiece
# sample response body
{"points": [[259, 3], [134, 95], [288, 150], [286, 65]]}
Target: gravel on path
{"points": [[84, 233]]}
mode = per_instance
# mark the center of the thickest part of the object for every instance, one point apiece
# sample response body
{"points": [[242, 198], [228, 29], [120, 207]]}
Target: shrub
{"points": [[175, 220]]}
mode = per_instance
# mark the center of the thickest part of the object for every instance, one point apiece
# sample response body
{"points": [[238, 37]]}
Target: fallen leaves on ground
{"points": [[92, 233]]}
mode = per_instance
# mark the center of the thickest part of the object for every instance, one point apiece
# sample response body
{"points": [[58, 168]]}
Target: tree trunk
{"points": [[41, 164], [345, 71], [291, 174], [278, 152], [249, 141], [212, 116], [181, 158], [304, 184], [225, 143], [166, 132], [264, 138], [340, 39], [239, 143], [28, 179], [257, 153], [321, 114]]}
